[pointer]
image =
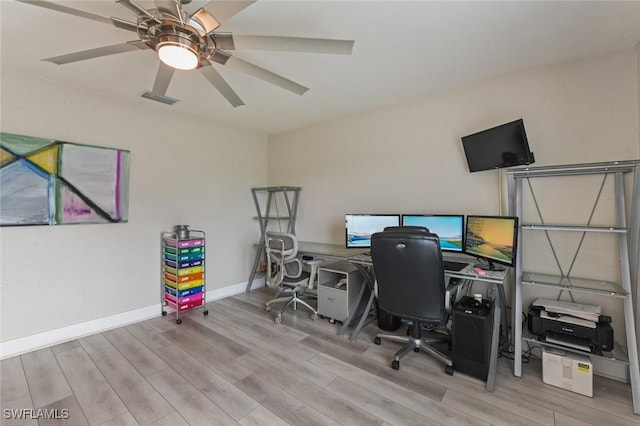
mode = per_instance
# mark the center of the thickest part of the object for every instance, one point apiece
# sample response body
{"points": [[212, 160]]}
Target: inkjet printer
{"points": [[573, 325]]}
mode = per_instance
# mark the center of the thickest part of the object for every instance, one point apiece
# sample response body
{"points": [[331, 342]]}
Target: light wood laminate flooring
{"points": [[237, 367]]}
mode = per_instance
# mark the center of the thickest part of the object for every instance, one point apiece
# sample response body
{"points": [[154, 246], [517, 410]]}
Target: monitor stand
{"points": [[491, 266]]}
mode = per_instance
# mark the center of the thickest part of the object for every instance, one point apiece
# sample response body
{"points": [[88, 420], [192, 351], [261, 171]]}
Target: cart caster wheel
{"points": [[314, 317], [178, 321], [449, 370], [206, 312], [277, 319], [267, 308], [164, 313], [377, 340], [332, 321], [395, 364]]}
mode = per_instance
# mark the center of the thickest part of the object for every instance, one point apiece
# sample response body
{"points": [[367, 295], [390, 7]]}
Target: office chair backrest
{"points": [[282, 257], [410, 274]]}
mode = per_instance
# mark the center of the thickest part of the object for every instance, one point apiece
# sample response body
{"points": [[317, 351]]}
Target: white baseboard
{"points": [[64, 334]]}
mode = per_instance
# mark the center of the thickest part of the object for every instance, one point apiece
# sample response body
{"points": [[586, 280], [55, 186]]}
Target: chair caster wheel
{"points": [[449, 370], [416, 349], [178, 321], [377, 340], [277, 319], [321, 316], [314, 317], [267, 308], [206, 312], [164, 313], [395, 365]]}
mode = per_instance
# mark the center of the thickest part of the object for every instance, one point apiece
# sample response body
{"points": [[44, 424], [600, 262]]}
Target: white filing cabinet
{"points": [[338, 288]]}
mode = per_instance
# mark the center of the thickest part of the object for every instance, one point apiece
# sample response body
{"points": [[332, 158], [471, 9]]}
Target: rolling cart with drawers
{"points": [[182, 272]]}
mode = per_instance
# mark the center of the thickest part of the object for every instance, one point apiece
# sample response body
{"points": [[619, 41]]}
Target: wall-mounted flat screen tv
{"points": [[502, 146]]}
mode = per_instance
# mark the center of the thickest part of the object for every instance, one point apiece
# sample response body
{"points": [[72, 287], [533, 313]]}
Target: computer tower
{"points": [[472, 329], [386, 321]]}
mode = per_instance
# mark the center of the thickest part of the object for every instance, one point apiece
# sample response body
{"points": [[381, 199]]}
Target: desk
{"points": [[329, 251], [496, 278]]}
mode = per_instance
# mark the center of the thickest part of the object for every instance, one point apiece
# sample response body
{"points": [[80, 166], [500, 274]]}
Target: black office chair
{"points": [[411, 285]]}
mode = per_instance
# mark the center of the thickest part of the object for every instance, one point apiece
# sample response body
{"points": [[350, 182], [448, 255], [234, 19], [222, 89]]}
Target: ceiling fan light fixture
{"points": [[177, 52]]}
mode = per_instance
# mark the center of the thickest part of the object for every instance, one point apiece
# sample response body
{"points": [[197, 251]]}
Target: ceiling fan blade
{"points": [[219, 83], [69, 10], [171, 7], [160, 86], [163, 78], [220, 56], [263, 74], [125, 25], [206, 20], [293, 44], [136, 8], [223, 10], [223, 41], [98, 52]]}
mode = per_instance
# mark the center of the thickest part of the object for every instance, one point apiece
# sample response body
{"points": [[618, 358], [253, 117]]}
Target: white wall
{"points": [[183, 171], [409, 159]]}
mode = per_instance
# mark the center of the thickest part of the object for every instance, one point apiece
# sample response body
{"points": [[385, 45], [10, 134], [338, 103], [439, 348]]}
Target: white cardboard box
{"points": [[569, 371]]}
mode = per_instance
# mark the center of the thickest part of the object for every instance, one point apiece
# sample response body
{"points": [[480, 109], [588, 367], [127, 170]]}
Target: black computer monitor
{"points": [[502, 146], [492, 238], [360, 227], [448, 227]]}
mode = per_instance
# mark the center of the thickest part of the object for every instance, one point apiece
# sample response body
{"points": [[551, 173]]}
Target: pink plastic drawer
{"points": [[192, 298], [184, 243], [183, 306]]}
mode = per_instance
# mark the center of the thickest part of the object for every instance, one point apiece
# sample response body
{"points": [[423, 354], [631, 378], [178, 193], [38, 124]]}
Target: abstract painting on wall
{"points": [[50, 182]]}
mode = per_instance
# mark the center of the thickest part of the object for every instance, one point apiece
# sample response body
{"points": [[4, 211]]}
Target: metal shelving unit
{"points": [[266, 202], [627, 238]]}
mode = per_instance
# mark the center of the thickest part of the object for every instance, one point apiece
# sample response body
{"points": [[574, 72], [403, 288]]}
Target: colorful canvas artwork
{"points": [[49, 182]]}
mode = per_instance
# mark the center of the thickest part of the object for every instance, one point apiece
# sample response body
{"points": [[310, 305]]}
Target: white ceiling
{"points": [[402, 50]]}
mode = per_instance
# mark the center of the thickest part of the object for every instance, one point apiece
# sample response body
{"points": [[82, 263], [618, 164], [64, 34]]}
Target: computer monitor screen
{"points": [[360, 227], [492, 238], [502, 146], [449, 228]]}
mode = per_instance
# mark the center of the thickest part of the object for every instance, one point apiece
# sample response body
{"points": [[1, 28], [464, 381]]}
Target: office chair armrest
{"points": [[314, 263], [451, 293]]}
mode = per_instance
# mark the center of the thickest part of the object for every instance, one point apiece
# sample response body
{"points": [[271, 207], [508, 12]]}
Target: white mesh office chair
{"points": [[285, 273]]}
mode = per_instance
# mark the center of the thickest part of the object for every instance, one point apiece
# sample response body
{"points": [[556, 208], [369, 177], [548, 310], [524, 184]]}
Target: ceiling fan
{"points": [[190, 41]]}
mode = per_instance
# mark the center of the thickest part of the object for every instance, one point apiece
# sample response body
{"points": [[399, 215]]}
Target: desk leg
{"points": [[503, 313], [493, 357], [353, 309], [364, 316]]}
